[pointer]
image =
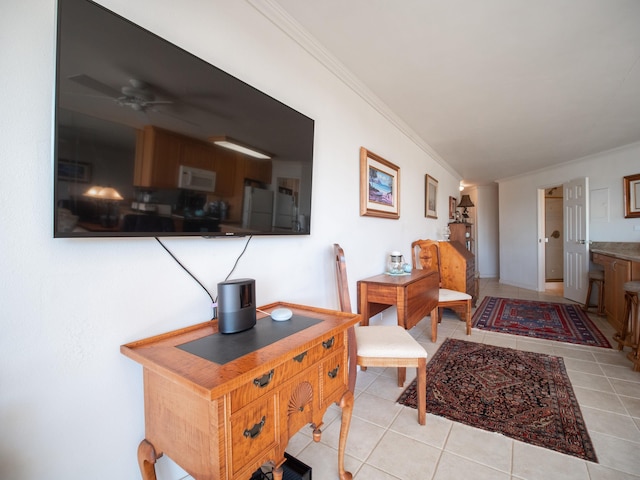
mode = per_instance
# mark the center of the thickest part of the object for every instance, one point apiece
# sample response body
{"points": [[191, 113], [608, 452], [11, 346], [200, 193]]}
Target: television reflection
{"points": [[133, 111]]}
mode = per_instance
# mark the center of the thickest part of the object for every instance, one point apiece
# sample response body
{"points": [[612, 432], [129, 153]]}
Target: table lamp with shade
{"points": [[465, 204], [106, 198]]}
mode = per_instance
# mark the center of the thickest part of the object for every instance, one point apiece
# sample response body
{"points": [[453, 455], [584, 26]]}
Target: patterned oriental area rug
{"points": [[551, 321], [523, 395]]}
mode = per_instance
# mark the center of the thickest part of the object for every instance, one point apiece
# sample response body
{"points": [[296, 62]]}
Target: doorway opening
{"points": [[551, 240], [553, 228], [567, 237]]}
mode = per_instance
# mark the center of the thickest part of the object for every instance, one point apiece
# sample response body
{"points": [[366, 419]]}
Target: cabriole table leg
{"points": [[346, 404], [147, 459]]}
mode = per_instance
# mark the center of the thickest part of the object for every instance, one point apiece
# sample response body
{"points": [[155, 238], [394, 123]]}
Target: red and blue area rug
{"points": [[550, 321], [523, 395]]}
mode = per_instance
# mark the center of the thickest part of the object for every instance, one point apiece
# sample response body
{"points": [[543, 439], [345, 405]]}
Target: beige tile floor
{"points": [[386, 442]]}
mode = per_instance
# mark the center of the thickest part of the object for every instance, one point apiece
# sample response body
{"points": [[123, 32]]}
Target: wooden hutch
{"points": [[458, 267], [462, 232]]}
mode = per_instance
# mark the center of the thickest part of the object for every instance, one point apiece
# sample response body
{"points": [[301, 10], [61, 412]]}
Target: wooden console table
{"points": [[415, 296], [225, 420]]}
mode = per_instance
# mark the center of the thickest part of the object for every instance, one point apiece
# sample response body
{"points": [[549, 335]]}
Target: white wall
{"points": [[486, 201], [519, 216], [71, 405]]}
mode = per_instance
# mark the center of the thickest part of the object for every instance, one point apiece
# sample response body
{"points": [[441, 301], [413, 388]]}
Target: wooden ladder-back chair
{"points": [[383, 345], [425, 254]]}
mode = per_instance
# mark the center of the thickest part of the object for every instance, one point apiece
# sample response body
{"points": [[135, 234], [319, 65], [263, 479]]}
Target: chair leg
{"points": [[635, 333], [422, 391], [601, 299], [434, 324], [586, 305], [621, 337], [402, 376], [468, 317]]}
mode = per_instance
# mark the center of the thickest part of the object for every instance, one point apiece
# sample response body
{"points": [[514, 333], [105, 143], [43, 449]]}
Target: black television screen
{"points": [[147, 137]]}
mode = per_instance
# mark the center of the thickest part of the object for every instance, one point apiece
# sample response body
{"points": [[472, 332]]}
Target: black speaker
{"points": [[236, 305]]}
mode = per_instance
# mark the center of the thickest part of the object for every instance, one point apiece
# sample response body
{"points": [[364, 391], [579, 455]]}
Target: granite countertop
{"points": [[622, 250]]}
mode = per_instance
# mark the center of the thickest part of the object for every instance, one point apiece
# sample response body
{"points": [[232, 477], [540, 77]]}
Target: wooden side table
{"points": [[223, 420], [415, 296]]}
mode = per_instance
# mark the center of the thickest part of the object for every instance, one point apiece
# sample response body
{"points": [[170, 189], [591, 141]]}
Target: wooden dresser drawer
{"points": [[312, 356], [253, 430], [260, 385], [332, 377], [272, 379]]}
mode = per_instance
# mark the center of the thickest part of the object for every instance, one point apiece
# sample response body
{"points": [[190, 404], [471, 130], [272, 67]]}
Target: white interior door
{"points": [[576, 241]]}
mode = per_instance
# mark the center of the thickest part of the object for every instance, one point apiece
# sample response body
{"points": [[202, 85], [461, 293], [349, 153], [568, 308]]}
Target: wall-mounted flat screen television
{"points": [[150, 140]]}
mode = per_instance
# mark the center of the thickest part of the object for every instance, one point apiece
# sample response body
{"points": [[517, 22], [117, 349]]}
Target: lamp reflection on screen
{"points": [[107, 199]]}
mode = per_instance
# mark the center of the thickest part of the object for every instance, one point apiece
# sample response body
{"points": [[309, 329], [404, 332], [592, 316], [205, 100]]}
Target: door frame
{"points": [[541, 232], [541, 217]]}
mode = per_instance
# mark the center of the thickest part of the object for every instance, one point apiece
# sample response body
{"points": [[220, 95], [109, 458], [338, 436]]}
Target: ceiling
{"points": [[495, 88]]}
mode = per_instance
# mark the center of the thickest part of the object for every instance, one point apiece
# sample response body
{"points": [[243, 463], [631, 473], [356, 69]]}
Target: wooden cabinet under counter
{"points": [[617, 271], [221, 406]]}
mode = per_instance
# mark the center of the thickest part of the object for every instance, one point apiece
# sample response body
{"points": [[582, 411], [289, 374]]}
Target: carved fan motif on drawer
{"points": [[300, 398]]}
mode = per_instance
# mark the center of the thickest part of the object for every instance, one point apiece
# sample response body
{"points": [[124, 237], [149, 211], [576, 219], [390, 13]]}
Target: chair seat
{"points": [[447, 295], [596, 275], [633, 286], [387, 341]]}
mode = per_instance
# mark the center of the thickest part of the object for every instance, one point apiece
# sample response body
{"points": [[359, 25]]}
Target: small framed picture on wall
{"points": [[631, 198], [452, 208], [379, 186], [430, 197]]}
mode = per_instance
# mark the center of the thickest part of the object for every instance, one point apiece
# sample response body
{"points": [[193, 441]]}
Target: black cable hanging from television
{"points": [[214, 303], [238, 259]]}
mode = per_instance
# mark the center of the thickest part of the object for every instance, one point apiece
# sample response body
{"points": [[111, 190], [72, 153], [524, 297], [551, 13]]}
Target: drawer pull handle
{"points": [[256, 429], [299, 358], [264, 380], [334, 373], [329, 343]]}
